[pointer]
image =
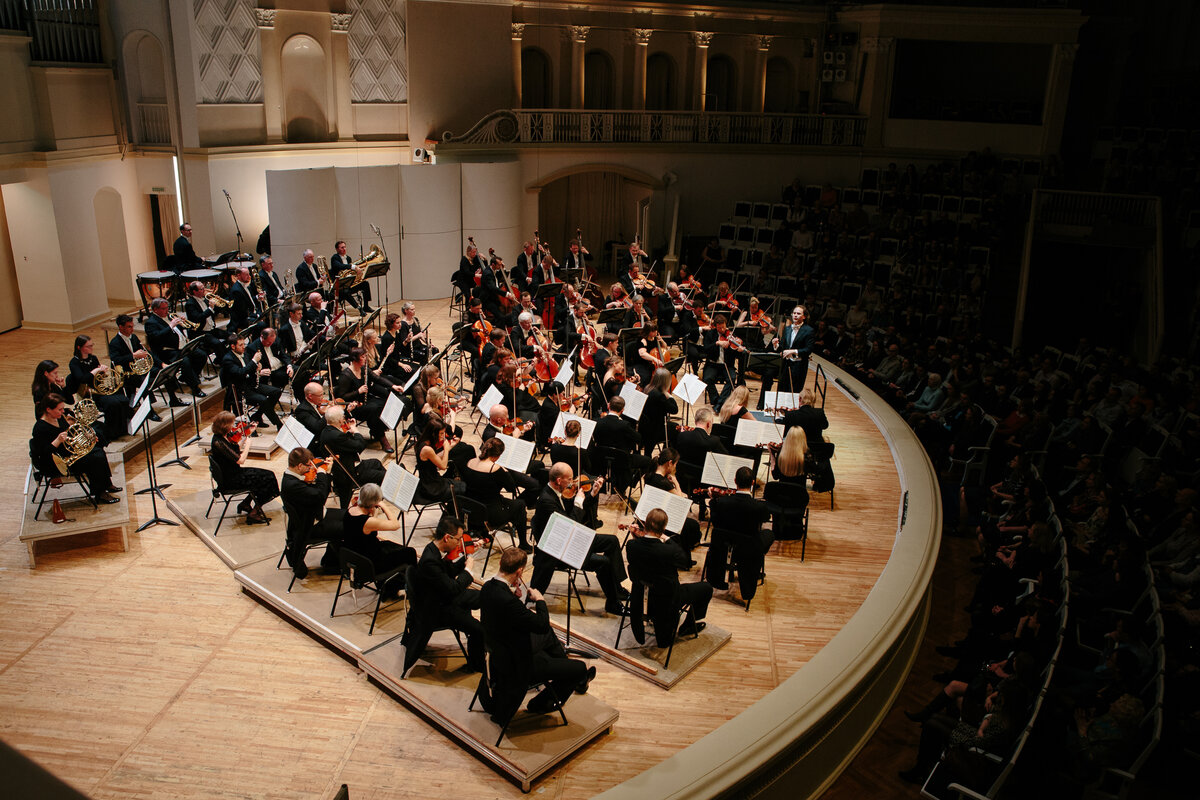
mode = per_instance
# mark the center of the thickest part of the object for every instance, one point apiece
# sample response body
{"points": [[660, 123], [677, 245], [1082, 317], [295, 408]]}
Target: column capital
{"points": [[518, 31], [877, 44], [578, 33], [1067, 51], [764, 42], [339, 23], [264, 17], [701, 38], [641, 36]]}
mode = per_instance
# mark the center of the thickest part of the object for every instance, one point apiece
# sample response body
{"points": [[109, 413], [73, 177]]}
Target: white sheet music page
{"points": [[566, 540], [752, 433], [774, 401], [677, 507], [690, 389], [586, 427], [490, 398], [392, 409], [566, 371], [399, 486], [139, 416], [517, 453], [719, 469], [293, 435], [635, 401]]}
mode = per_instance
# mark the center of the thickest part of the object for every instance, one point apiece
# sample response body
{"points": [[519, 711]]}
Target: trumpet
{"points": [[187, 323], [215, 300]]}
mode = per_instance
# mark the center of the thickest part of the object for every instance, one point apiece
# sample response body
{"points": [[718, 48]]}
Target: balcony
{"points": [[558, 126]]}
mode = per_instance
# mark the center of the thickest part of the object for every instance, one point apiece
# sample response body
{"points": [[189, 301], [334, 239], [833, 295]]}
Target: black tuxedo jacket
{"points": [[162, 337], [246, 307], [508, 625], [307, 502], [740, 514], [272, 286], [614, 431], [198, 315], [286, 340], [810, 418], [312, 420], [438, 581], [236, 374], [656, 562], [119, 354], [549, 503], [306, 277], [185, 254], [693, 445], [801, 340]]}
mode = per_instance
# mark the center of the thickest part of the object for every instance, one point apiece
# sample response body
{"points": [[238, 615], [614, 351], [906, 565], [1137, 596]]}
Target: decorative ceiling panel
{"points": [[378, 51], [228, 55]]}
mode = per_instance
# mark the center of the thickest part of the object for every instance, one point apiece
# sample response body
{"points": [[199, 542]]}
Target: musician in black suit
{"points": [[468, 265], [204, 317], [242, 375], [185, 255], [166, 338], [605, 559], [522, 646], [631, 273], [248, 303], [656, 562], [693, 447], [737, 524], [310, 412], [359, 296], [293, 331], [725, 360], [269, 352], [443, 597], [490, 291], [521, 275], [315, 313], [613, 430], [808, 417], [272, 284], [795, 342], [357, 385], [674, 320], [340, 438], [124, 349], [308, 276], [307, 518]]}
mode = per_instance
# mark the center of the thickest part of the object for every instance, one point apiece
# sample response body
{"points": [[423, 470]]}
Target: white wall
{"points": [[36, 253]]}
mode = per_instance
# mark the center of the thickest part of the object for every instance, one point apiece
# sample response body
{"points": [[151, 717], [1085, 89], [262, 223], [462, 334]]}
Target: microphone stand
{"points": [[236, 227]]}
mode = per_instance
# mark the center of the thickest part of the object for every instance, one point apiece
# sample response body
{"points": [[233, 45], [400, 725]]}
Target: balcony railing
{"points": [[557, 126], [154, 126]]}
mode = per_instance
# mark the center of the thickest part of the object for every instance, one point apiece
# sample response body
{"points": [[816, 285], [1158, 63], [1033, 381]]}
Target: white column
{"points": [[272, 74], [700, 43], [641, 47], [760, 73], [518, 37], [578, 34], [339, 41]]}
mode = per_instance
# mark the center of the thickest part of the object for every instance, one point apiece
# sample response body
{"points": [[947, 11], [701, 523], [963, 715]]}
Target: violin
{"points": [[240, 430], [733, 341], [713, 491], [636, 527], [556, 440], [572, 402], [761, 319], [463, 549], [316, 466], [514, 425], [583, 483]]}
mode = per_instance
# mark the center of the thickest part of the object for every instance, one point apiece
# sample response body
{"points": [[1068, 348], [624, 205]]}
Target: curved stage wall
{"points": [[795, 741]]}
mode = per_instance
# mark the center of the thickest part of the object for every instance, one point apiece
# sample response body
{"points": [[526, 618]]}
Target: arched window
{"points": [[535, 79], [305, 98], [721, 85], [599, 90], [779, 96], [660, 83]]}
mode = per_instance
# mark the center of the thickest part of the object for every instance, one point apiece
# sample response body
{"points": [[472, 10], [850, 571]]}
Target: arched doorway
{"points": [[535, 79], [660, 83], [721, 84], [114, 247], [305, 95], [599, 89]]}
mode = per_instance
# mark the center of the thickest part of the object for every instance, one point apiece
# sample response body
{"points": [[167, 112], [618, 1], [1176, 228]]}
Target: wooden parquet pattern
{"points": [[148, 674]]}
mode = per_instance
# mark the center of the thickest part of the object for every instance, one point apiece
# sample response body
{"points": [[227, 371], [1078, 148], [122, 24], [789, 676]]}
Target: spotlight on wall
{"points": [[426, 154]]}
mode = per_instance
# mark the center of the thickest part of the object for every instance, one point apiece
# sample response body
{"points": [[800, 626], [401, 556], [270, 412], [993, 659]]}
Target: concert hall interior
{"points": [[722, 371]]}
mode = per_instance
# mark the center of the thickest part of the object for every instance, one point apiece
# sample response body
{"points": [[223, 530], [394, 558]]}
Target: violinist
{"points": [[812, 419], [663, 477], [614, 378], [726, 358], [433, 458], [490, 361], [310, 412], [608, 349], [694, 446], [444, 597], [436, 405], [650, 356], [359, 383], [568, 450], [675, 317], [559, 497], [631, 276], [513, 385], [735, 407], [657, 562], [485, 479], [430, 377], [660, 405], [724, 300], [341, 438], [228, 452], [738, 522], [554, 397], [618, 297], [789, 465], [362, 525], [304, 489]]}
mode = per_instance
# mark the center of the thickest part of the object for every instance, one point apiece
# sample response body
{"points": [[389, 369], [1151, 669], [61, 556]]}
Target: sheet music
{"points": [[139, 416], [141, 390], [677, 507], [690, 388], [719, 469], [392, 410], [773, 401], [762, 416], [398, 486], [517, 453], [752, 433], [635, 401], [490, 398], [293, 435], [586, 427], [411, 380], [567, 371], [566, 540]]}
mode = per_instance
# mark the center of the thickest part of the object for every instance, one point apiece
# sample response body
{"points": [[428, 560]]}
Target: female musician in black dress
{"points": [[735, 407], [85, 367], [653, 425], [615, 378], [485, 479], [789, 466], [648, 357], [46, 380], [362, 525], [663, 477], [229, 450], [49, 439], [413, 342], [433, 458], [568, 450]]}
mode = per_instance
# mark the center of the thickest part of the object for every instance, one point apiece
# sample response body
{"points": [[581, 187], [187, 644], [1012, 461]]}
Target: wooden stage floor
{"points": [[149, 672]]}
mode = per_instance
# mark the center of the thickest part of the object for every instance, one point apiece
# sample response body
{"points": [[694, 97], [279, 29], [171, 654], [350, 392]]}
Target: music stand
{"points": [[762, 363], [166, 374], [142, 417], [624, 337], [186, 352], [612, 316], [570, 274]]}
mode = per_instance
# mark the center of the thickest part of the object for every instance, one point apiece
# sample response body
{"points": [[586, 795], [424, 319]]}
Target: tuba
{"points": [[81, 440], [322, 265], [374, 256], [109, 381]]}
